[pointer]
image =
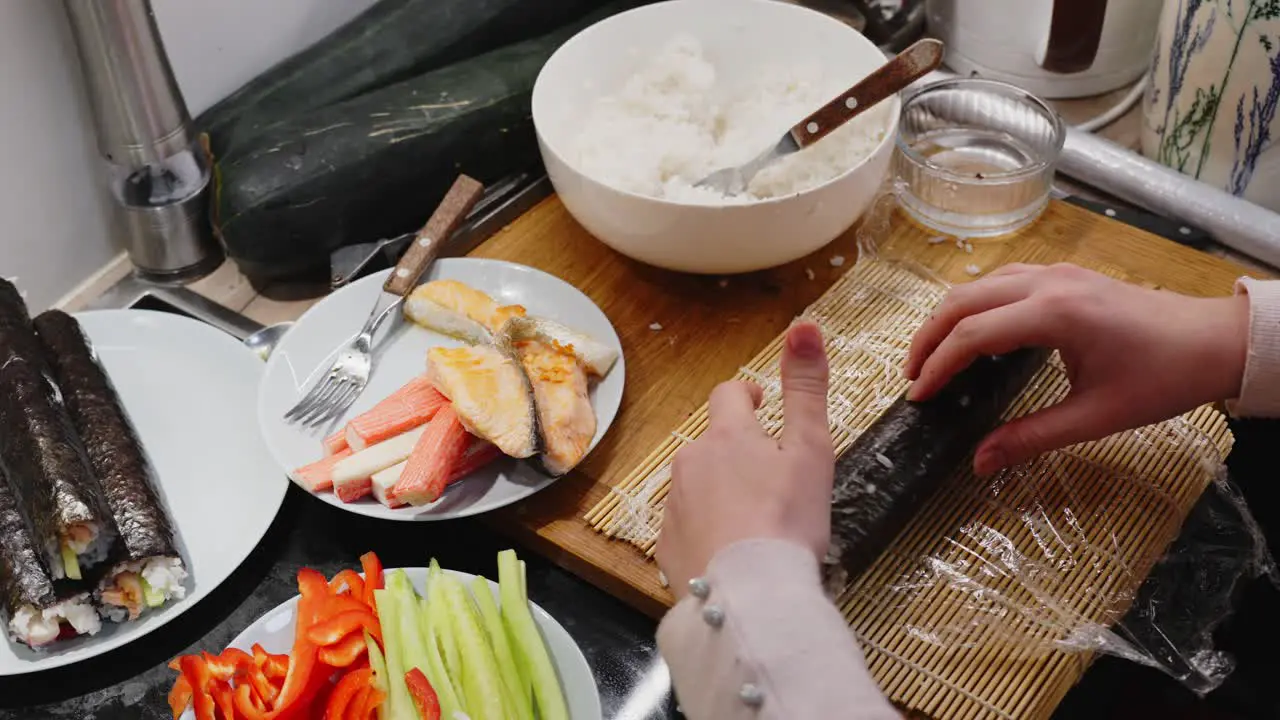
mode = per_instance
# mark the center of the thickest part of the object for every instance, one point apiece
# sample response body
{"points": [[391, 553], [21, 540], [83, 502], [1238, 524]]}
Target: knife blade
{"points": [[1167, 228]]}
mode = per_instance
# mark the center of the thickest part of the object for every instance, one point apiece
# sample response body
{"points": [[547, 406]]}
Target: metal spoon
{"points": [[908, 66], [264, 341]]}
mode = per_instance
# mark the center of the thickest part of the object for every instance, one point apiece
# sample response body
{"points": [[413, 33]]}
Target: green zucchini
{"points": [[391, 41], [375, 166]]}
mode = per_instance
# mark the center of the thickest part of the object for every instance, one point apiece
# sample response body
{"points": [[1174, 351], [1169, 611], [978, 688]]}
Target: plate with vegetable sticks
{"points": [[491, 381], [159, 410], [396, 644]]}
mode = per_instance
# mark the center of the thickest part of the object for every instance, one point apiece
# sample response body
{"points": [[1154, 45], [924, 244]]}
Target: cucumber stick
{"points": [[481, 679], [379, 666], [399, 704], [440, 623], [527, 640], [437, 673], [518, 689]]}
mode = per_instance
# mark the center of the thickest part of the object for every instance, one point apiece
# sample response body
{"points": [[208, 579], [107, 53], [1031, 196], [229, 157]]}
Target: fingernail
{"points": [[989, 461], [805, 341]]}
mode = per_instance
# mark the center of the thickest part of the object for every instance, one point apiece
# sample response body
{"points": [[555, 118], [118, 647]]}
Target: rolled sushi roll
{"points": [[44, 459], [35, 614], [145, 569]]}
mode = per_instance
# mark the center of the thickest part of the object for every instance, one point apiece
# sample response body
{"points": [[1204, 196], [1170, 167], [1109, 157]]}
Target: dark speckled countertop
{"points": [[131, 683]]}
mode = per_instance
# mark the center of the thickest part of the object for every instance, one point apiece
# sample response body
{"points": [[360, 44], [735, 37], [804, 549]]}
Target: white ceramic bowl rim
{"points": [[891, 124]]}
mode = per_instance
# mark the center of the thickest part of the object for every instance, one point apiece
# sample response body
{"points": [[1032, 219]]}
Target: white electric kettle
{"points": [[1052, 48]]}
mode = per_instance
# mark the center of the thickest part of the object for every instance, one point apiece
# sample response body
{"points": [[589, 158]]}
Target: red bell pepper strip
{"points": [[336, 604], [302, 680], [343, 625], [277, 667], [367, 704], [224, 698], [197, 674], [273, 666], [230, 664], [261, 686], [246, 706], [424, 696], [372, 567], [175, 665], [180, 696], [311, 584], [348, 687], [352, 580], [357, 703], [344, 653]]}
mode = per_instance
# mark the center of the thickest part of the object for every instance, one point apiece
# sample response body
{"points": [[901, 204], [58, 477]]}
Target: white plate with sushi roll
{"points": [[188, 391], [496, 379]]}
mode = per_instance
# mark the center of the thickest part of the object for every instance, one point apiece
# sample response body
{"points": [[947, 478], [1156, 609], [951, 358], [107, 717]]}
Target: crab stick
{"points": [[335, 443], [353, 475], [480, 453], [435, 455], [384, 481], [409, 407], [319, 475]]}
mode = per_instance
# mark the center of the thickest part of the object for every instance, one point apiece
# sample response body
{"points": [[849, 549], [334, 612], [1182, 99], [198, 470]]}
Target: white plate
{"points": [[274, 631], [401, 354], [189, 389]]}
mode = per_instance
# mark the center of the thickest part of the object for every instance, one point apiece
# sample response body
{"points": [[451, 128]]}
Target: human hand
{"points": [[735, 482], [1134, 356]]}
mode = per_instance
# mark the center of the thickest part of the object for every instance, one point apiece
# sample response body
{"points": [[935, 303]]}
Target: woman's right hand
{"points": [[1134, 356]]}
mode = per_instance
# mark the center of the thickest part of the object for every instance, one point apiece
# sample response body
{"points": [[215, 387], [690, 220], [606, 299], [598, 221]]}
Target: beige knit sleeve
{"points": [[1260, 389], [759, 640]]}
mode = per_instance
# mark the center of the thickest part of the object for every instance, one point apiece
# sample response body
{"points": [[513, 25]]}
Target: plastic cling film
{"points": [[1056, 577]]}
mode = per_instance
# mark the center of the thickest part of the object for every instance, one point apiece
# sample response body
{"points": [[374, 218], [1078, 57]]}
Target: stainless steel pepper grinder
{"points": [[158, 172]]}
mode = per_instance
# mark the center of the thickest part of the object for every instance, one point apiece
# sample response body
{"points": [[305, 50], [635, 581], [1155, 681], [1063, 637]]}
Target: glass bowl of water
{"points": [[975, 158]]}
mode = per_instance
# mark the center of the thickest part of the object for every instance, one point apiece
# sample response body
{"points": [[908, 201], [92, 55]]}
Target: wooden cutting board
{"points": [[683, 334]]}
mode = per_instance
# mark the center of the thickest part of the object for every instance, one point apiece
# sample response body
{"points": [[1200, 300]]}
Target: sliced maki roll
{"points": [[36, 614], [42, 455], [145, 569]]}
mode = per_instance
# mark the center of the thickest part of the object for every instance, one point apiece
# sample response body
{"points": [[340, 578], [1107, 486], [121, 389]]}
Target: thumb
{"points": [[804, 388], [1074, 420]]}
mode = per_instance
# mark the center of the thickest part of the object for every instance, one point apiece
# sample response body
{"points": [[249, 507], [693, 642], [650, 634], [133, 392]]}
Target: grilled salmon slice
{"points": [[566, 420], [489, 393]]}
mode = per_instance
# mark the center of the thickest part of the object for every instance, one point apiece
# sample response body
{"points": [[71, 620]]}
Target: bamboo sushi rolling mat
{"points": [[961, 617]]}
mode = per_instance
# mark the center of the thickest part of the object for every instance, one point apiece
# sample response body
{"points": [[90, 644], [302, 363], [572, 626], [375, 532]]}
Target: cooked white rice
{"points": [[665, 130], [41, 627]]}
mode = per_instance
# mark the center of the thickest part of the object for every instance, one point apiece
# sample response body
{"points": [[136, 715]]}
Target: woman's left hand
{"points": [[735, 482]]}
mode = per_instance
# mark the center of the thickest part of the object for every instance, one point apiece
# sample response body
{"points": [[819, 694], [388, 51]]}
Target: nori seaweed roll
{"points": [[46, 465], [36, 615], [892, 468], [145, 568]]}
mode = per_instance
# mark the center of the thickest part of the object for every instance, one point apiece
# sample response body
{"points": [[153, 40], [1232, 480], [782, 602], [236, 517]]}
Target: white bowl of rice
{"points": [[634, 110]]}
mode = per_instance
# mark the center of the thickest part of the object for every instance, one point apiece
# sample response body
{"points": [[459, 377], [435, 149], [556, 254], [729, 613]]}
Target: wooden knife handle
{"points": [[426, 245], [910, 65]]}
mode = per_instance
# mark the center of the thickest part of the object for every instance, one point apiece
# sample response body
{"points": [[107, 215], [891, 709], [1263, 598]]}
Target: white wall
{"points": [[53, 217], [54, 212]]}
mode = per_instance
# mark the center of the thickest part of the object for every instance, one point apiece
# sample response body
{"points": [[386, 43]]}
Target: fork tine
{"points": [[325, 408], [309, 403], [309, 399], [338, 404], [344, 401], [321, 403]]}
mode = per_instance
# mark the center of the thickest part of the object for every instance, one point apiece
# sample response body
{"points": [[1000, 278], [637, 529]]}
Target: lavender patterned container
{"points": [[1210, 107]]}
